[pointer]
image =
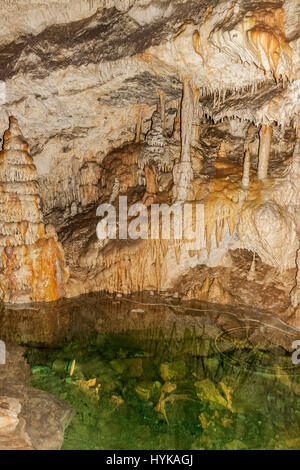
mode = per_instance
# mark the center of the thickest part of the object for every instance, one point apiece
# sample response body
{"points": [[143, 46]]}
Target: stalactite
{"points": [[265, 137], [115, 191], [154, 149], [268, 35], [187, 114]]}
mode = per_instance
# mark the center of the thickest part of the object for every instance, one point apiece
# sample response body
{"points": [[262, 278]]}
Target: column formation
{"points": [[183, 172], [265, 137]]}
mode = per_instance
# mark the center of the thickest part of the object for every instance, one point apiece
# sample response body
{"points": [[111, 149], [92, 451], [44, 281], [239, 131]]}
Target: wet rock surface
{"points": [[29, 419]]}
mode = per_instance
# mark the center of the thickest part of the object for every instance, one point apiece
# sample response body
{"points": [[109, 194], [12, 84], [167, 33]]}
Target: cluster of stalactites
{"points": [[21, 218], [258, 39]]}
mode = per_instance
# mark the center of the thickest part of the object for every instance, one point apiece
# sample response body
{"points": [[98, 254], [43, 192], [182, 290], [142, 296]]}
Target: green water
{"points": [[150, 390]]}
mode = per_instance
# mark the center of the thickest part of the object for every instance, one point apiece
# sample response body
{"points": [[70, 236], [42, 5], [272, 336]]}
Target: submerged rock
{"points": [[208, 391], [173, 371], [29, 418]]}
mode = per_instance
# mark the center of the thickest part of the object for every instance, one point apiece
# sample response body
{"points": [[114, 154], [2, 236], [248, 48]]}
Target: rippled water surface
{"points": [[162, 374]]}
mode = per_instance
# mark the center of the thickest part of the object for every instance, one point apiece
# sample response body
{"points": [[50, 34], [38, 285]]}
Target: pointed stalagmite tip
{"points": [[13, 123], [13, 137]]}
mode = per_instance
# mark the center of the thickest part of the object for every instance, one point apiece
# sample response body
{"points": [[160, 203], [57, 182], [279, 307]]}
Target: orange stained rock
{"points": [[267, 32], [196, 94], [197, 45], [151, 179], [146, 57], [49, 274], [9, 262], [33, 267], [196, 35], [7, 136], [222, 150]]}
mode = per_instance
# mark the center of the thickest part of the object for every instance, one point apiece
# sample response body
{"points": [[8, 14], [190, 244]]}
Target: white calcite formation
{"points": [[21, 218], [264, 151], [264, 229], [183, 171], [92, 90], [246, 169]]}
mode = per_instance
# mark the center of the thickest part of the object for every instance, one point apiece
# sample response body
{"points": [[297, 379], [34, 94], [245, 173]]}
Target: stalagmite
{"points": [[183, 172], [154, 149], [32, 260], [151, 184], [152, 158], [115, 191], [246, 169], [265, 137], [251, 274]]}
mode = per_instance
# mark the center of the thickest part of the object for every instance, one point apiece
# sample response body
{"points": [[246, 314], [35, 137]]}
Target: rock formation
{"points": [[246, 169], [30, 419], [179, 123], [32, 260], [264, 151], [183, 172], [153, 159], [162, 102]]}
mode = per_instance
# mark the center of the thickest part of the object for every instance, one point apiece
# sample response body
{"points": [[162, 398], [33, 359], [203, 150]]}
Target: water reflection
{"points": [[151, 372]]}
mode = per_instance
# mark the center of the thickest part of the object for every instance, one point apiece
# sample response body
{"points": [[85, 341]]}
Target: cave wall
{"points": [[162, 101]]}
